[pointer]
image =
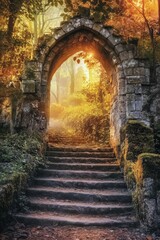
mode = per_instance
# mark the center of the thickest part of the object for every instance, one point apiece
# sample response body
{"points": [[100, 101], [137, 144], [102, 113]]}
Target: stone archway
{"points": [[128, 74]]}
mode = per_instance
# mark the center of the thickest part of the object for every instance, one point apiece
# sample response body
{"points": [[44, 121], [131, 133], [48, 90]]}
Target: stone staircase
{"points": [[80, 187]]}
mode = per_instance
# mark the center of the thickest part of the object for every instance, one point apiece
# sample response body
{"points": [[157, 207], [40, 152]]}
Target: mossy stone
{"points": [[136, 138]]}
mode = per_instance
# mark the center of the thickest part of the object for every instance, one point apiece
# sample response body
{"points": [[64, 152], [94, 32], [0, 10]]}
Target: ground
{"points": [[20, 231]]}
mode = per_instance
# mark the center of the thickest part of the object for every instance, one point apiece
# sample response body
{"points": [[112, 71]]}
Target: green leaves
{"points": [[19, 153]]}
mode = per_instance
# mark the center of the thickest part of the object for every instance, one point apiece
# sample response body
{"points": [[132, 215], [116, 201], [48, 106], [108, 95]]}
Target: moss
{"points": [[157, 137], [6, 199], [129, 174], [150, 164], [20, 155], [137, 138], [30, 74], [133, 125], [138, 203]]}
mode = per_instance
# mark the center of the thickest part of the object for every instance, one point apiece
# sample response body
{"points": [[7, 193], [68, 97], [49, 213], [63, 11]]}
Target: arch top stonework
{"points": [[129, 76]]}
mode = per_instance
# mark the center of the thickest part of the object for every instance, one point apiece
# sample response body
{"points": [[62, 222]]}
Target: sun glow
{"points": [[90, 55]]}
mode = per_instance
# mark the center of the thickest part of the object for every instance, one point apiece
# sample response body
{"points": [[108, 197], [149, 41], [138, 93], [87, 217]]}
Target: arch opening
{"points": [[80, 98], [86, 41]]}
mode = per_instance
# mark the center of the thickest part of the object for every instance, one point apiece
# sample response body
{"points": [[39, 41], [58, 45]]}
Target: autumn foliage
{"points": [[22, 22]]}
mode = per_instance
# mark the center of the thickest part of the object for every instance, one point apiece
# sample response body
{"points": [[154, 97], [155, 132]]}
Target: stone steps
{"points": [[83, 166], [79, 174], [80, 149], [46, 219], [80, 154], [89, 195], [81, 160], [79, 183], [80, 187], [75, 207]]}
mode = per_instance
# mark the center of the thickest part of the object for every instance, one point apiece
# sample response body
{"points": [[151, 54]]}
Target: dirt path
{"points": [[20, 231]]}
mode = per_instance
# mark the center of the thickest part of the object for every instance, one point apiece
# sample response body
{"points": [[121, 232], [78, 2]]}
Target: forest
{"points": [[92, 107]]}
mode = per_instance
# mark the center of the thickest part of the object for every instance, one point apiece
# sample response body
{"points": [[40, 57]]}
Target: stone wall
{"points": [[141, 171], [147, 191], [30, 115], [154, 108]]}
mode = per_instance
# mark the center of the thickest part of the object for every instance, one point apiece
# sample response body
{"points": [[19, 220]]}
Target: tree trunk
{"points": [[10, 27], [72, 74], [35, 30], [14, 8]]}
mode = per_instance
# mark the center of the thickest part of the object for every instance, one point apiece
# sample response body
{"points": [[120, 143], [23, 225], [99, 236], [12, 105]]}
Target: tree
{"points": [[98, 9], [17, 34]]}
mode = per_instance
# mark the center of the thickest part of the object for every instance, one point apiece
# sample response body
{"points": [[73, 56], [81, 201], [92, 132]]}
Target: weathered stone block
{"points": [[130, 88], [133, 79], [131, 106], [44, 82], [149, 187], [128, 71], [34, 65], [120, 48], [76, 22], [45, 75], [138, 88], [28, 86], [150, 212], [138, 105], [158, 201], [59, 34], [139, 71], [123, 55], [113, 40], [130, 55], [50, 57], [130, 63], [134, 88], [88, 23], [46, 66], [51, 42], [122, 87], [105, 33], [68, 27], [146, 79], [130, 97], [37, 76], [120, 75]]}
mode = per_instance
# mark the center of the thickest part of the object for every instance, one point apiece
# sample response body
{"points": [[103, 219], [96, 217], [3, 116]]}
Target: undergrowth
{"points": [[19, 153], [86, 113]]}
